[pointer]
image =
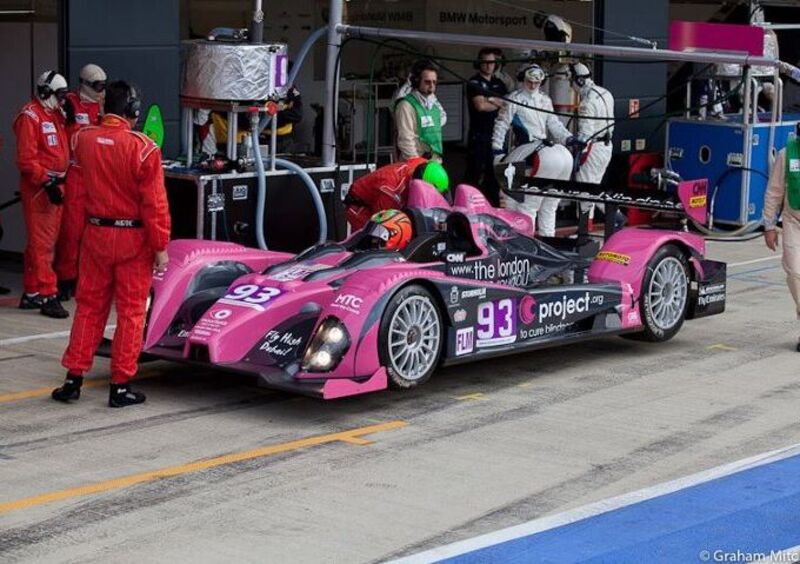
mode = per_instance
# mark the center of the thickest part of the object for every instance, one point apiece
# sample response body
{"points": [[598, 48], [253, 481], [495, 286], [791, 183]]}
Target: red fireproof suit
{"points": [[383, 189], [72, 221], [41, 149], [123, 180]]}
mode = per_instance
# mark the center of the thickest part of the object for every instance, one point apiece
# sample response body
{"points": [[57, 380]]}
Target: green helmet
{"points": [[434, 174]]}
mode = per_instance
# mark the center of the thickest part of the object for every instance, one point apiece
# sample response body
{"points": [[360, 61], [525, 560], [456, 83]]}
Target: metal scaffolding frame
{"points": [[337, 30]]}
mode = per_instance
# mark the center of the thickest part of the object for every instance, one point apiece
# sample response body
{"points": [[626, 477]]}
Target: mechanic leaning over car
{"points": [[595, 103], [386, 188], [81, 108], [419, 117], [783, 197], [125, 238], [42, 159], [530, 111], [485, 94]]}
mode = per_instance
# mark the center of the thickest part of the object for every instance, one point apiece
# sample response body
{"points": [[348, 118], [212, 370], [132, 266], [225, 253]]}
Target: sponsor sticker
{"points": [[280, 344], [82, 118], [460, 315], [794, 165], [697, 201], [616, 258], [454, 295], [239, 192], [297, 271], [513, 272], [222, 314], [527, 310], [465, 341], [48, 127], [348, 302], [52, 140], [479, 293]]}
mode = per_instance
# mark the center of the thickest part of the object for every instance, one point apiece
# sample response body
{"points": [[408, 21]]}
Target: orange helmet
{"points": [[391, 228]]}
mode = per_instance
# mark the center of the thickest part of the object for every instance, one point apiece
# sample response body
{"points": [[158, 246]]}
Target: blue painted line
{"points": [[753, 511]]}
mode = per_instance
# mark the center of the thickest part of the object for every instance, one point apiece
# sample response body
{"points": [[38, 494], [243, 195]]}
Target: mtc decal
{"points": [[348, 302]]}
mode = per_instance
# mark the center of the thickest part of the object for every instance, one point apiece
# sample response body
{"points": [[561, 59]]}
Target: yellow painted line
{"points": [[353, 436], [45, 392], [471, 397], [721, 347]]}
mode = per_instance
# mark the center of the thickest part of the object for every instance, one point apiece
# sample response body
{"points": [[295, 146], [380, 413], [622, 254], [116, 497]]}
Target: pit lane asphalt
{"points": [[480, 447]]}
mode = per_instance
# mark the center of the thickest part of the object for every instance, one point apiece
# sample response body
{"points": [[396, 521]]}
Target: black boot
{"points": [[121, 395], [30, 301], [51, 307], [71, 390], [66, 289]]}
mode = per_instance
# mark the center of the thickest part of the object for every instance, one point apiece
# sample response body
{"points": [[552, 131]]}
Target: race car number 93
{"points": [[252, 293]]}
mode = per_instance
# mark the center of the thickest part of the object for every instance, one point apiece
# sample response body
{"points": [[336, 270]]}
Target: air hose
{"points": [[261, 201]]}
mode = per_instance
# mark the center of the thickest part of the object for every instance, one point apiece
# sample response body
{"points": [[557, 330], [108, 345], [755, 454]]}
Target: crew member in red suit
{"points": [[42, 159], [386, 188], [81, 108], [125, 238]]}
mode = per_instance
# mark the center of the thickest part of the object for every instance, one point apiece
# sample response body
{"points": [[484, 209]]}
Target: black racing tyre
{"points": [[664, 296], [411, 337]]}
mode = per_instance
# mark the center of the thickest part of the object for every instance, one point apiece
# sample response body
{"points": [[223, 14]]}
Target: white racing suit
{"points": [[776, 202], [596, 102], [555, 162]]}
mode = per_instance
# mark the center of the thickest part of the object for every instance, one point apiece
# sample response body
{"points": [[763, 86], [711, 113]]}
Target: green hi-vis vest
{"points": [[793, 173], [429, 124]]}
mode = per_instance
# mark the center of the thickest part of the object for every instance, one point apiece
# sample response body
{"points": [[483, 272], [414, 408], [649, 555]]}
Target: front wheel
{"points": [[664, 297], [410, 338]]}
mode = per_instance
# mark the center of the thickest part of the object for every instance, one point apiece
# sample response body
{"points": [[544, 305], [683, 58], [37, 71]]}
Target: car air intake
{"points": [[199, 353]]}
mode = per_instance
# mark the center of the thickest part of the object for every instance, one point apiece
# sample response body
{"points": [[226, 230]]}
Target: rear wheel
{"points": [[411, 336], [664, 297]]}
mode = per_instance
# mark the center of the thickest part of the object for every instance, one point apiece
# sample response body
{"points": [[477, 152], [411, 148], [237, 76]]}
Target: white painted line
{"points": [[28, 338], [754, 261], [593, 509]]}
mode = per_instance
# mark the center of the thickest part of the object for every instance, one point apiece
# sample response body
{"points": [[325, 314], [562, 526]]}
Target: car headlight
{"points": [[328, 346]]}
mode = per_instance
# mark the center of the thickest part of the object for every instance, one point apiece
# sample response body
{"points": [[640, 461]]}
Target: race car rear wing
{"points": [[689, 198]]}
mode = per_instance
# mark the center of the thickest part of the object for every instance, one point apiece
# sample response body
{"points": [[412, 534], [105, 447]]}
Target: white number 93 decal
{"points": [[251, 294]]}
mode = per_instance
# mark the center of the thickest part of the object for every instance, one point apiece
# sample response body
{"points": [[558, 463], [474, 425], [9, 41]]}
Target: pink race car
{"points": [[345, 318]]}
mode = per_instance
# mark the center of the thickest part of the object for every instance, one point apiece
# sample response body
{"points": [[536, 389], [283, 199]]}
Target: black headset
{"points": [[44, 91], [579, 79], [133, 105], [417, 69], [498, 57]]}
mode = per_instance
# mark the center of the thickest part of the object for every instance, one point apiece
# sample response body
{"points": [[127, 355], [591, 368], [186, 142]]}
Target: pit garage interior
{"points": [[603, 450]]}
